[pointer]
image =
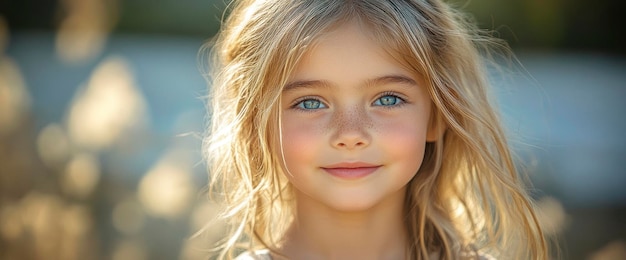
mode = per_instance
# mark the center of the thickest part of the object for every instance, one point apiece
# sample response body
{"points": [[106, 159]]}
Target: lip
{"points": [[351, 170]]}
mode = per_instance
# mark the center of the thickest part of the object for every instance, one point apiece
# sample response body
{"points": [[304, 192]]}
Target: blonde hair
{"points": [[467, 196]]}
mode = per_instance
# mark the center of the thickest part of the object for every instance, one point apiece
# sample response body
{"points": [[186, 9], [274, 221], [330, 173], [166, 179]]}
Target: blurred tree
{"points": [[29, 14], [526, 24], [552, 24], [193, 17]]}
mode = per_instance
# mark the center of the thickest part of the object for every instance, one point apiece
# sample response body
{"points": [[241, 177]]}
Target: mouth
{"points": [[351, 170]]}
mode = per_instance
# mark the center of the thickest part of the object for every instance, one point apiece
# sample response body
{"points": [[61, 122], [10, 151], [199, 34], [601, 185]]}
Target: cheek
{"points": [[404, 140], [301, 141]]}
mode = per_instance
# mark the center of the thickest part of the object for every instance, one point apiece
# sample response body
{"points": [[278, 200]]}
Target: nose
{"points": [[351, 130]]}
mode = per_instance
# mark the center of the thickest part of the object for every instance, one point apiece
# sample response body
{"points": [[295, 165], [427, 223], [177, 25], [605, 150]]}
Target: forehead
{"points": [[348, 49]]}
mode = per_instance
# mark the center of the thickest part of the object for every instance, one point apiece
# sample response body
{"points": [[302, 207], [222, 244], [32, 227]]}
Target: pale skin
{"points": [[354, 127]]}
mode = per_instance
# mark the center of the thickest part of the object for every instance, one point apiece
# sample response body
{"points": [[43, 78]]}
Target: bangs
{"points": [[405, 33]]}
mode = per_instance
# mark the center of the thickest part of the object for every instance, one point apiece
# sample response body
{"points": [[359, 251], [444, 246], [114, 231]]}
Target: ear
{"points": [[436, 127]]}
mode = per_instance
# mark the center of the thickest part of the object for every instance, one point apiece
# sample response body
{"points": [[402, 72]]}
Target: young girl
{"points": [[361, 130]]}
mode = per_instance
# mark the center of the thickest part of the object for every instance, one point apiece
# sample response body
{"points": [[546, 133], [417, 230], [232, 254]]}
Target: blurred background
{"points": [[102, 114]]}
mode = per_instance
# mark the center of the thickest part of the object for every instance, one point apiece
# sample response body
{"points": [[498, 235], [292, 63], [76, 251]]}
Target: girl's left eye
{"points": [[388, 100]]}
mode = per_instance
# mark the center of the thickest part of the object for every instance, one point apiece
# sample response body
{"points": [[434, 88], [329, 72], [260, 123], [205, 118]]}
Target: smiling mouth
{"points": [[351, 170]]}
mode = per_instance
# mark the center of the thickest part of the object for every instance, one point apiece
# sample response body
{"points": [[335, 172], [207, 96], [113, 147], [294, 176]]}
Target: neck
{"points": [[320, 232]]}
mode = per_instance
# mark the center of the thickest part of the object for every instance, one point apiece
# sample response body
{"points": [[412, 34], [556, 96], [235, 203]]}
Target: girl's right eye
{"points": [[310, 104]]}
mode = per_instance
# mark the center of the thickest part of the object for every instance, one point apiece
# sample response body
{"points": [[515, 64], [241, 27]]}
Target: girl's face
{"points": [[354, 123]]}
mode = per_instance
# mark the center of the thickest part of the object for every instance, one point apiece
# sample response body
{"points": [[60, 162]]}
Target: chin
{"points": [[352, 206], [356, 203]]}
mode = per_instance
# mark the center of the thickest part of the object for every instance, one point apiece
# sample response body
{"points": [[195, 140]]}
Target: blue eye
{"points": [[388, 100], [310, 104]]}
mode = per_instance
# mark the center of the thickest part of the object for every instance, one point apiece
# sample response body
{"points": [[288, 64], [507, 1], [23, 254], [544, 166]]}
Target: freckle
{"points": [[354, 119], [351, 120], [339, 121], [359, 120], [371, 126]]}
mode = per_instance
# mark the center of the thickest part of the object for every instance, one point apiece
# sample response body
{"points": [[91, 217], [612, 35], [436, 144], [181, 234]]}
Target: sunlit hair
{"points": [[467, 197]]}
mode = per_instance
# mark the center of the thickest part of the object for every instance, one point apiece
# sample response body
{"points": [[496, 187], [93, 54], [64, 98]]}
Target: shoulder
{"points": [[485, 257], [262, 254], [476, 255]]}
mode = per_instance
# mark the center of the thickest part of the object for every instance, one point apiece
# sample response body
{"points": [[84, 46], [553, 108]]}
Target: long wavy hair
{"points": [[467, 197]]}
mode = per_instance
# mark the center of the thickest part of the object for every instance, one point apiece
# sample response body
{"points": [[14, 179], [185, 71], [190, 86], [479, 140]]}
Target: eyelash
{"points": [[391, 94], [299, 101]]}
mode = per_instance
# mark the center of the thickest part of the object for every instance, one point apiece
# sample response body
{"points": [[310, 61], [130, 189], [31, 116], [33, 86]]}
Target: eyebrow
{"points": [[306, 84], [391, 79], [383, 80]]}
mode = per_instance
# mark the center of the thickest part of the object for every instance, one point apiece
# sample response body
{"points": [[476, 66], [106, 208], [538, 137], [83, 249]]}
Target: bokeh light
{"points": [[551, 216], [108, 108], [166, 190], [81, 175], [128, 216], [14, 98], [84, 29], [53, 146], [76, 223], [56, 229]]}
